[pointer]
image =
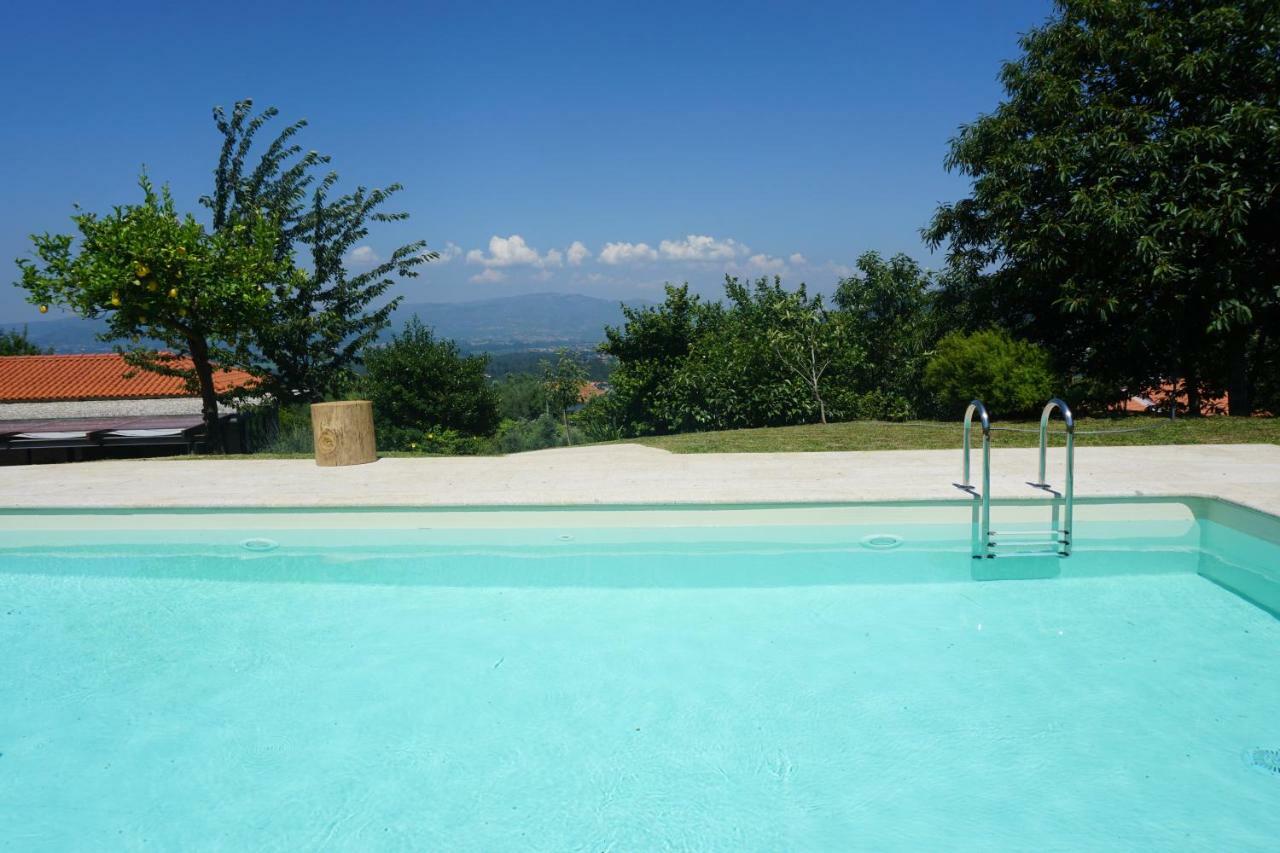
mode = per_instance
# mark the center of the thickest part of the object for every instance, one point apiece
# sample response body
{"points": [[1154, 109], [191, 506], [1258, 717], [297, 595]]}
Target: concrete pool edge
{"points": [[634, 475]]}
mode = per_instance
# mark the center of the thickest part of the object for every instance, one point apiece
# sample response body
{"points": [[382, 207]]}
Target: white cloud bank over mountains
{"points": [[513, 251], [577, 253], [614, 254], [506, 255], [700, 247]]}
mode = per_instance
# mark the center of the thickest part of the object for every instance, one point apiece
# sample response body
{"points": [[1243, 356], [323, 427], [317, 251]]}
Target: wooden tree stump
{"points": [[343, 432]]}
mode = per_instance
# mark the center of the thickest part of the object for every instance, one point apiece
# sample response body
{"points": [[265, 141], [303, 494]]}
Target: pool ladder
{"points": [[1053, 542]]}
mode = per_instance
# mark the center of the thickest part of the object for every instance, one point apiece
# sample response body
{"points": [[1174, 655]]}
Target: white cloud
{"points": [[623, 253], [797, 259], [489, 276], [577, 253], [449, 252], [513, 251], [363, 255], [767, 263], [700, 247]]}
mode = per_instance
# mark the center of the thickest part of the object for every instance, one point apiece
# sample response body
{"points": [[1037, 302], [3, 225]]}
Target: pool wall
{"points": [[896, 542]]}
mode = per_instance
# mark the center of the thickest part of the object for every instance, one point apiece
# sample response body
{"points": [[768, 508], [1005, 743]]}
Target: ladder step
{"points": [[1024, 543], [1050, 532], [1029, 554]]}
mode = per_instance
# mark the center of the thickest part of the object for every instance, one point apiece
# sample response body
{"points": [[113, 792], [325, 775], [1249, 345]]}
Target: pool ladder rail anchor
{"points": [[989, 544]]}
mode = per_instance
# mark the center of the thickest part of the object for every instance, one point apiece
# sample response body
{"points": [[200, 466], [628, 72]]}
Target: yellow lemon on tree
{"points": [[44, 309], [173, 293], [140, 269]]}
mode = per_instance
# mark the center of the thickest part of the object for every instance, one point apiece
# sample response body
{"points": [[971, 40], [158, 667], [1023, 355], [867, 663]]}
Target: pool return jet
{"points": [[1053, 542]]}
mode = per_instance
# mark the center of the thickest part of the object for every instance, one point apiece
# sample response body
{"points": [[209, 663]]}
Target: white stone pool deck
{"points": [[634, 474]]}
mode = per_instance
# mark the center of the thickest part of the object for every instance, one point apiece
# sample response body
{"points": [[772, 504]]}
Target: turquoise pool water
{"points": [[750, 679]]}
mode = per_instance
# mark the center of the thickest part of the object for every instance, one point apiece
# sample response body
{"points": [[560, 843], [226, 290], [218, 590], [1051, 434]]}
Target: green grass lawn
{"points": [[934, 435]]}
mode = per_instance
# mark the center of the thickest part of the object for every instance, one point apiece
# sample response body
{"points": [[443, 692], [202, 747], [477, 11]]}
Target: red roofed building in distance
{"points": [[592, 389], [97, 385]]}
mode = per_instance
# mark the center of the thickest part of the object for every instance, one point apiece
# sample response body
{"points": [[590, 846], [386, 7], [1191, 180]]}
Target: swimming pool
{"points": [[763, 678]]}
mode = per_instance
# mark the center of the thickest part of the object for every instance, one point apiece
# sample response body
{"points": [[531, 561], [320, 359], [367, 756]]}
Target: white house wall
{"points": [[104, 408]]}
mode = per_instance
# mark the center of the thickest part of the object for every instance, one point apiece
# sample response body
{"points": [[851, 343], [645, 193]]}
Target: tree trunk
{"points": [[822, 407], [343, 433], [567, 440], [208, 393], [1191, 383], [1191, 323], [1239, 396]]}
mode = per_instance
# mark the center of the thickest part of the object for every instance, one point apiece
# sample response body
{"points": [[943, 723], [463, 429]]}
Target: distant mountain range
{"points": [[519, 322], [532, 321]]}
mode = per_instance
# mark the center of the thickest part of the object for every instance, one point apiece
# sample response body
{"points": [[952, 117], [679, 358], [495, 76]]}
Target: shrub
{"points": [[601, 419], [435, 439], [521, 397], [535, 434], [1011, 376], [883, 406], [292, 433], [422, 386]]}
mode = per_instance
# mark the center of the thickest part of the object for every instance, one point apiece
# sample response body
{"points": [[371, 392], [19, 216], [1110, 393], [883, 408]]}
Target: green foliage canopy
{"points": [[649, 347], [155, 274], [562, 382], [889, 308], [321, 317], [419, 384], [521, 396], [1126, 194], [13, 342], [766, 356], [1012, 377]]}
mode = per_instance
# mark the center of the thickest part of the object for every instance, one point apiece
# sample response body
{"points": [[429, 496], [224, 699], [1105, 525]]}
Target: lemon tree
{"points": [[154, 274]]}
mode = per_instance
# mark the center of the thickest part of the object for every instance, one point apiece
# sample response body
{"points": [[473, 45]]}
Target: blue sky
{"points": [[597, 148]]}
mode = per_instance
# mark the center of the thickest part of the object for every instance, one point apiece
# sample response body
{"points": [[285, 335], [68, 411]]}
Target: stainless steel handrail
{"points": [[1068, 491], [981, 539]]}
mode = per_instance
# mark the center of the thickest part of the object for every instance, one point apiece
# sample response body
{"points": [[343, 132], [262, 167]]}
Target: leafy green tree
{"points": [[888, 309], [154, 274], [521, 397], [562, 382], [1012, 377], [321, 316], [766, 357], [13, 342], [1126, 194], [419, 384], [649, 348], [805, 337]]}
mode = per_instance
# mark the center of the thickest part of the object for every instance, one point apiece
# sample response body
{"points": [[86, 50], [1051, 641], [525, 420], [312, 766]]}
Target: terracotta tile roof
{"points": [[100, 376], [589, 390], [1168, 391]]}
